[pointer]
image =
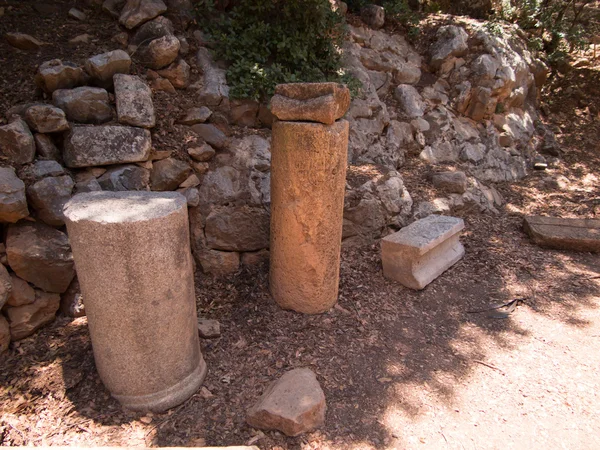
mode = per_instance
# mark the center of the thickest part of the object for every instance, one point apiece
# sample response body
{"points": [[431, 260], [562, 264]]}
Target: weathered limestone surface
{"points": [[55, 74], [103, 67], [314, 102], [100, 146], [419, 253], [294, 404], [134, 266], [567, 234], [48, 197], [134, 101], [84, 104], [308, 177], [16, 142], [13, 203], [25, 320], [46, 119]]}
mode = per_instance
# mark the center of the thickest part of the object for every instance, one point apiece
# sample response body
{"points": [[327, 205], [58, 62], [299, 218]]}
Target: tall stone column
{"points": [[133, 261], [308, 176]]}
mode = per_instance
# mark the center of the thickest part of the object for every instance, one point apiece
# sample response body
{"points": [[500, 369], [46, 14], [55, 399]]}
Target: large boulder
{"points": [[154, 29], [168, 174], [134, 101], [160, 52], [451, 41], [16, 142], [48, 197], [240, 229], [46, 119], [13, 202], [41, 255], [55, 74], [84, 104], [27, 319], [105, 145], [136, 12], [178, 73], [101, 68], [294, 404], [213, 90], [21, 293]]}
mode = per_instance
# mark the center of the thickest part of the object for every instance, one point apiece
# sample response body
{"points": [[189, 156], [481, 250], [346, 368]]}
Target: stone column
{"points": [[134, 265], [308, 177]]}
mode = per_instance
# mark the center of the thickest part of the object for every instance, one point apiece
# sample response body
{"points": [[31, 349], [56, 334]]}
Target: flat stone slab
{"points": [[565, 234], [419, 253], [134, 101], [313, 102]]}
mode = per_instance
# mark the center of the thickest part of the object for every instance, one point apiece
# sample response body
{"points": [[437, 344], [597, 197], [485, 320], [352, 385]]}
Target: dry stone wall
{"points": [[468, 102]]}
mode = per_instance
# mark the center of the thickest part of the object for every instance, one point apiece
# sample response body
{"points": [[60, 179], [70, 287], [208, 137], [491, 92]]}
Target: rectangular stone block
{"points": [[565, 234], [419, 253]]}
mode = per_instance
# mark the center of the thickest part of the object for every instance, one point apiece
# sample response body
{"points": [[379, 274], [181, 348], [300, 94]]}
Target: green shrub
{"points": [[267, 42]]}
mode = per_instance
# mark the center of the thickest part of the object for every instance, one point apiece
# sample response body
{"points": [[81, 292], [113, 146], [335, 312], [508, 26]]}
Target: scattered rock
{"points": [[294, 404], [454, 182], [209, 329], [27, 319], [48, 197], [168, 174], [101, 68], [75, 13], [23, 41], [41, 255], [218, 263], [84, 104], [100, 146], [129, 177], [136, 12], [55, 74], [13, 203], [240, 229], [410, 102], [195, 115], [42, 169], [4, 334], [162, 84], [46, 119], [5, 285], [134, 101], [71, 302], [373, 16], [190, 182], [211, 135], [81, 39], [21, 293], [451, 41], [89, 185], [213, 89], [160, 52], [154, 29], [191, 195], [203, 153], [16, 142], [315, 102], [178, 73], [46, 147], [121, 38]]}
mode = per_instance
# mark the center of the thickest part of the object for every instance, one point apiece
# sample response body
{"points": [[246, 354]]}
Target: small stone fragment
{"points": [[81, 39], [84, 104], [27, 319], [203, 153], [195, 115], [191, 195], [16, 142], [190, 182], [103, 67], [209, 329], [211, 135], [4, 334], [454, 182], [168, 174], [121, 38], [23, 41], [129, 177], [134, 101], [294, 404], [48, 197], [162, 84], [410, 102], [41, 255], [178, 73], [109, 144], [55, 74], [71, 302], [315, 102], [46, 119], [160, 52], [13, 202], [22, 293], [77, 14], [136, 12]]}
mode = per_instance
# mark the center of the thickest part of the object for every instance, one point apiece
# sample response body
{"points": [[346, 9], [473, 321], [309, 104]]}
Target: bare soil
{"points": [[400, 369]]}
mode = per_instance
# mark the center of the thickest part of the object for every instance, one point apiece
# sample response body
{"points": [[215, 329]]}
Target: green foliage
{"points": [[267, 42]]}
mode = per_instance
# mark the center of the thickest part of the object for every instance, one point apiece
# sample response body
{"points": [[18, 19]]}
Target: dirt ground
{"points": [[400, 369]]}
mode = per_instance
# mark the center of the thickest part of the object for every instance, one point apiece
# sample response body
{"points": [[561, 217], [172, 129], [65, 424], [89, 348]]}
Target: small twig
{"points": [[490, 366]]}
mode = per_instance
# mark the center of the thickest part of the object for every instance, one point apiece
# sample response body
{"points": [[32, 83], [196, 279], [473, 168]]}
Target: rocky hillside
{"points": [[149, 109]]}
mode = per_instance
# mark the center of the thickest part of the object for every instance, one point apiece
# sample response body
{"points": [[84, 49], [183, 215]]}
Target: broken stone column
{"points": [[308, 177], [134, 265]]}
